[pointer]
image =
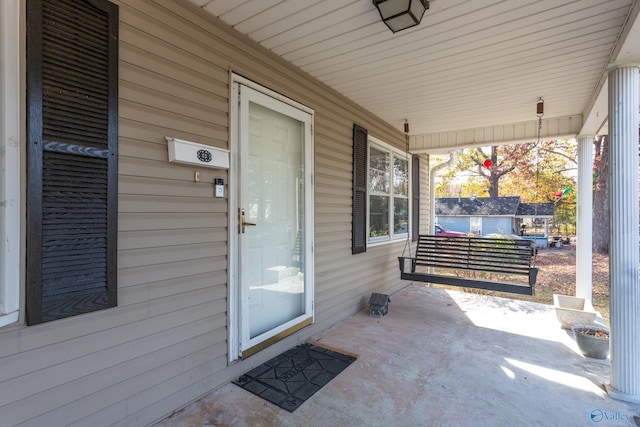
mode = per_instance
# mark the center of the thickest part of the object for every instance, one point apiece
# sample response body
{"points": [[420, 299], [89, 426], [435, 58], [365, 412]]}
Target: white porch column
{"points": [[584, 219], [623, 254]]}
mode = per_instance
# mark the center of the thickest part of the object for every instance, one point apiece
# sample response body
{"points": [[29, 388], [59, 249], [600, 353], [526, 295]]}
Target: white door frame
{"points": [[234, 312]]}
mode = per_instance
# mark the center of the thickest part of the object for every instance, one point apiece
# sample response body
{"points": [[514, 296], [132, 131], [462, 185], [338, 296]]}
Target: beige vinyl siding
{"points": [[165, 344], [425, 193]]}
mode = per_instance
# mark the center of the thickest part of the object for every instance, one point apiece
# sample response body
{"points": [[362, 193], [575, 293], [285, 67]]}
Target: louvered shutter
{"points": [[415, 197], [359, 212], [72, 97]]}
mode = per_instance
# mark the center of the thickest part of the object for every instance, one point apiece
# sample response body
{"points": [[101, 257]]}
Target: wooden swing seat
{"points": [[484, 255]]}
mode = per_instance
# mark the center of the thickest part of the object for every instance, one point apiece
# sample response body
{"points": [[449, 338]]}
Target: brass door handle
{"points": [[243, 223]]}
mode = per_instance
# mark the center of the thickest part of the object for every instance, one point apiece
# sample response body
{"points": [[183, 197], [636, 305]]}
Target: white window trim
{"points": [[381, 145], [9, 161]]}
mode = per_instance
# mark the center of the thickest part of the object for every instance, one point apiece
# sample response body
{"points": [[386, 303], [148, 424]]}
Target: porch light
{"points": [[401, 14]]}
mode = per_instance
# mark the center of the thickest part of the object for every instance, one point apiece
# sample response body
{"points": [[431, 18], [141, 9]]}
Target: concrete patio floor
{"points": [[441, 358]]}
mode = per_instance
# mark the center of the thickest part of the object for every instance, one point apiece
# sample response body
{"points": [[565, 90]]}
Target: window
{"points": [[72, 157], [475, 225], [388, 192], [381, 192], [9, 161]]}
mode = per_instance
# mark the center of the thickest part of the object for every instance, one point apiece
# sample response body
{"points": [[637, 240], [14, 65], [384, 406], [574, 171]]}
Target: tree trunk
{"points": [[601, 198], [493, 185], [494, 178]]}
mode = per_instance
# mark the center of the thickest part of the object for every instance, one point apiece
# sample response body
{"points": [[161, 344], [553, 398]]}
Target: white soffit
{"points": [[513, 133], [469, 64]]}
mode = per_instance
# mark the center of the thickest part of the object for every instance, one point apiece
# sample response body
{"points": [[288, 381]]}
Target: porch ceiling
{"points": [[469, 64]]}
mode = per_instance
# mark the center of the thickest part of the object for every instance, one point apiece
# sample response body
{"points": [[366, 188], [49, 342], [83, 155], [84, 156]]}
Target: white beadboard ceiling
{"points": [[470, 63]]}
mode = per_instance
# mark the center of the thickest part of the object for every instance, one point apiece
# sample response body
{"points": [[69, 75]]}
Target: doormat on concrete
{"points": [[291, 378]]}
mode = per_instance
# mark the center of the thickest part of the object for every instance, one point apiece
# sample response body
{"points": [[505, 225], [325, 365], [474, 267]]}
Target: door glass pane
{"points": [[273, 249]]}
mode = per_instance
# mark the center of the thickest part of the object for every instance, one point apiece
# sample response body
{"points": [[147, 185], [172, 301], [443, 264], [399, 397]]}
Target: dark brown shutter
{"points": [[359, 213], [72, 97], [415, 197]]}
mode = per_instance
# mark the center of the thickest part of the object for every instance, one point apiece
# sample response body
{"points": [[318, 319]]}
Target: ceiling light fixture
{"points": [[401, 14]]}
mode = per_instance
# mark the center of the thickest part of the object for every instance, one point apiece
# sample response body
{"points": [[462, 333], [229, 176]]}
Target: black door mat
{"points": [[291, 378]]}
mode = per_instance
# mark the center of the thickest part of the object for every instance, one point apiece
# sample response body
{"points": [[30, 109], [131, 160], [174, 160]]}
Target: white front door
{"points": [[274, 268]]}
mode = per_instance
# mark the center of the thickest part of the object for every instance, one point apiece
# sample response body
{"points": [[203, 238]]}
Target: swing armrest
{"points": [[401, 263]]}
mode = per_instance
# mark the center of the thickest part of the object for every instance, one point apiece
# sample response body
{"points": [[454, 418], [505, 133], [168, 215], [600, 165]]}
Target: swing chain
{"points": [[406, 159], [539, 113]]}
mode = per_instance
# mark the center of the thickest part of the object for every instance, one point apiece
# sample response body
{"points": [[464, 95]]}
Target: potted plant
{"points": [[592, 340]]}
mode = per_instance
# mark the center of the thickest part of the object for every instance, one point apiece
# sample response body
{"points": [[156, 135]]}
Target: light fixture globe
{"points": [[401, 14]]}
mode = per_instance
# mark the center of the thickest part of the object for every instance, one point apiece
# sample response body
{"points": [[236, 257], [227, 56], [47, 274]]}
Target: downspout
{"points": [[432, 193]]}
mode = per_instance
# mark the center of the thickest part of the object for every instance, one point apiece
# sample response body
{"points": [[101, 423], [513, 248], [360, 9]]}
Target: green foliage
{"points": [[564, 219]]}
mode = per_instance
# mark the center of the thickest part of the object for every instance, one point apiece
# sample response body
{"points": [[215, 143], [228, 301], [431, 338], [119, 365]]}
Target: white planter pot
{"points": [[572, 311]]}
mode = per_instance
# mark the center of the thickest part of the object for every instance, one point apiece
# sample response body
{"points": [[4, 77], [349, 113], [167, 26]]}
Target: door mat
{"points": [[291, 378]]}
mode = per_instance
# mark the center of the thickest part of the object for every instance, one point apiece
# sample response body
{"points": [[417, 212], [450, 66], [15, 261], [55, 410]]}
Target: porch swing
{"points": [[472, 254]]}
